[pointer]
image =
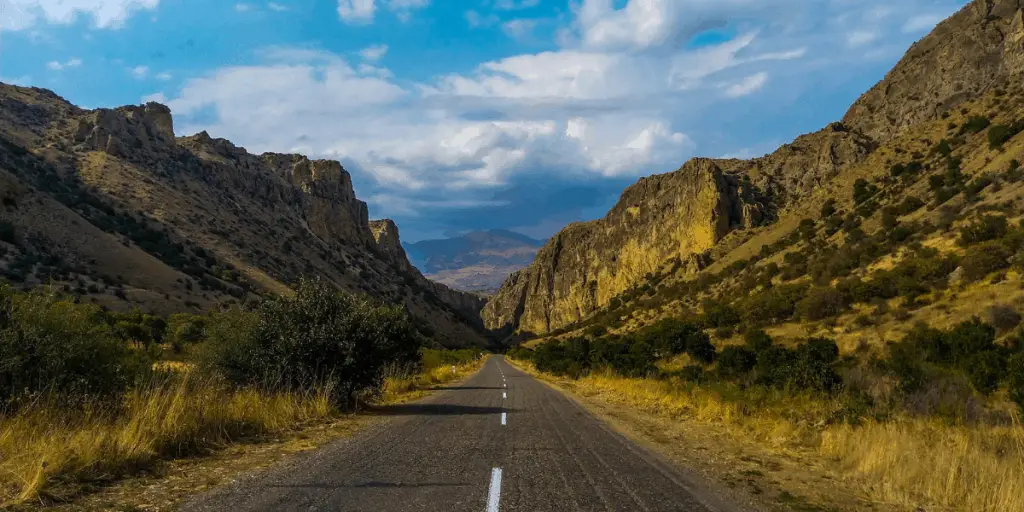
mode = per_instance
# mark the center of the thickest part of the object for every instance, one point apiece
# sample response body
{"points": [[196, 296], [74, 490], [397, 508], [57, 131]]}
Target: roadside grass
{"points": [[904, 462], [51, 453]]}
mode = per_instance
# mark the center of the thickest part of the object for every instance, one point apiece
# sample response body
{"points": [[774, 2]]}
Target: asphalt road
{"points": [[501, 440]]}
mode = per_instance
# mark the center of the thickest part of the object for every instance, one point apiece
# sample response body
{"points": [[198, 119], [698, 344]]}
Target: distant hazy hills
{"points": [[477, 261]]}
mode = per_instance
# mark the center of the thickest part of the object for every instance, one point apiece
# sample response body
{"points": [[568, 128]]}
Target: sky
{"points": [[458, 115]]}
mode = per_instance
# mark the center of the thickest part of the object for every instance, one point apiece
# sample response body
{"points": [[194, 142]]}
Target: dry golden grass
{"points": [[46, 451], [906, 463], [44, 444]]}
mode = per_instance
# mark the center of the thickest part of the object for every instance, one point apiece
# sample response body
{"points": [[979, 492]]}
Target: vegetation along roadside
{"points": [[90, 397]]}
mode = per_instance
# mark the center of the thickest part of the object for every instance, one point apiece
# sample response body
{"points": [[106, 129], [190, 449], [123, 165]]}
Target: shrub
{"points": [[719, 314], [1015, 377], [48, 344], [735, 362], [999, 134], [692, 373], [862, 191], [828, 209], [318, 335], [984, 258], [671, 336], [1002, 317], [773, 305], [822, 302], [757, 340], [808, 367], [701, 349], [969, 338], [988, 227], [975, 124], [985, 369]]}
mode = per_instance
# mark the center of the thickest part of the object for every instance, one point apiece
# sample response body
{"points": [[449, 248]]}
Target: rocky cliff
{"points": [[965, 55], [385, 233], [662, 218], [109, 204], [671, 219]]}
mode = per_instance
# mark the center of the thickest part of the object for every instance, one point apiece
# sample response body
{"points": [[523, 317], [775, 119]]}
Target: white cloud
{"points": [[511, 5], [922, 23], [749, 85], [140, 72], [243, 7], [860, 38], [363, 11], [356, 11], [374, 53], [622, 95], [519, 29], [477, 20], [60, 66], [165, 76], [158, 97], [21, 14], [276, 7]]}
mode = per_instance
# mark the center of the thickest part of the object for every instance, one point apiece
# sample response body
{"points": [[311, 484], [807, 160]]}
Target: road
{"points": [[500, 441]]}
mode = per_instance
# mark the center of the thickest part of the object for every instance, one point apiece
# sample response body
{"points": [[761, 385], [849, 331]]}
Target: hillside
{"points": [[110, 206], [672, 226], [478, 261]]}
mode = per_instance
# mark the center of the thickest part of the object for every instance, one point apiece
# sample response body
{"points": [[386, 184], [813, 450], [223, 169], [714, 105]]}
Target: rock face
{"points": [[674, 218], [196, 220], [660, 218], [385, 233], [965, 55]]}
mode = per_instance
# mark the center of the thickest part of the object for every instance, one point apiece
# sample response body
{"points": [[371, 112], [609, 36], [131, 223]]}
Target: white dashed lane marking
{"points": [[494, 495], [502, 418]]}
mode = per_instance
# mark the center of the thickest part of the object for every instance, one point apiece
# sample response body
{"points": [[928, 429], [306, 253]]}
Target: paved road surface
{"points": [[499, 441]]}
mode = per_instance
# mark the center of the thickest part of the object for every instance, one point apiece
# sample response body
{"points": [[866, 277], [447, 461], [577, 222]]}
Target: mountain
{"points": [[671, 227], [111, 206], [478, 261]]}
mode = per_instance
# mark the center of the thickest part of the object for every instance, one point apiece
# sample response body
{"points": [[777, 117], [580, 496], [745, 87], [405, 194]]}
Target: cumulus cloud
{"points": [[139, 72], [374, 53], [623, 95], [60, 66], [363, 11], [21, 14]]}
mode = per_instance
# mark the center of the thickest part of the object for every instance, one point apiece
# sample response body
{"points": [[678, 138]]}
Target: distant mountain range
{"points": [[478, 261]]}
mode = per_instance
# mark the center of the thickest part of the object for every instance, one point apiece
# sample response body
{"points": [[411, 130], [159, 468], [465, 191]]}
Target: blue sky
{"points": [[455, 115]]}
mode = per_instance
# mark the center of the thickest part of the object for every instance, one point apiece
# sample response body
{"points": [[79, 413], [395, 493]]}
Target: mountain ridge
{"points": [[586, 265], [111, 206]]}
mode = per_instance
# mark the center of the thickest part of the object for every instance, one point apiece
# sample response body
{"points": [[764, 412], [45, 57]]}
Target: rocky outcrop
{"points": [[969, 53], [385, 233], [660, 218]]}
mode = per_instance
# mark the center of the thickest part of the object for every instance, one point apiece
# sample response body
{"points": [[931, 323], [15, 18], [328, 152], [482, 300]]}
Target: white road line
{"points": [[494, 495], [502, 418], [504, 395]]}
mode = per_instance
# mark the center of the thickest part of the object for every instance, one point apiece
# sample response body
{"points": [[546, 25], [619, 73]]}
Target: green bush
{"points": [[982, 259], [984, 229], [999, 134], [757, 340], [318, 335], [1015, 376], [862, 191], [820, 303], [774, 305], [719, 314], [975, 124], [48, 344], [808, 367], [735, 362], [985, 369]]}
